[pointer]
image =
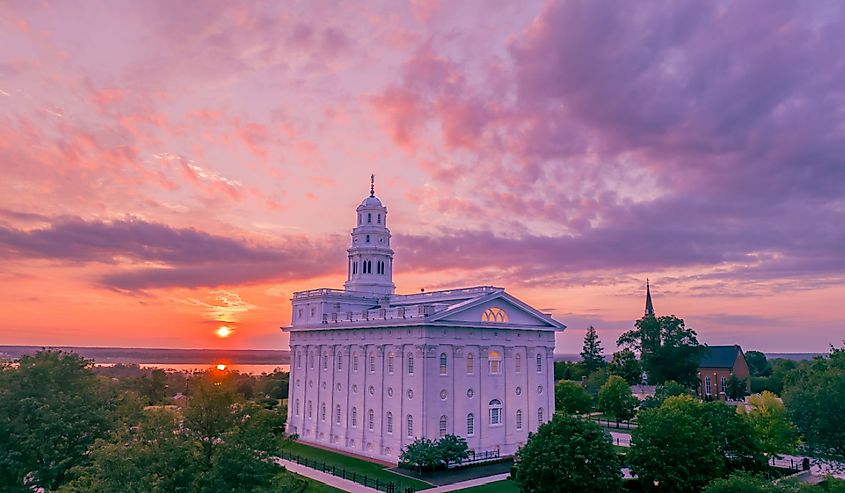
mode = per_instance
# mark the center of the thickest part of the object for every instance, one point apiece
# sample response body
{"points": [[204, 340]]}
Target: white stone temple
{"points": [[372, 370]]}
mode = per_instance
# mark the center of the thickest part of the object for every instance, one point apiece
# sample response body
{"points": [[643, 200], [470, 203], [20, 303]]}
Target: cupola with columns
{"points": [[370, 266]]}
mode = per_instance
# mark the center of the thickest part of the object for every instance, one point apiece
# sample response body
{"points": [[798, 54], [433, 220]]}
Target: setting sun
{"points": [[224, 331], [221, 367]]}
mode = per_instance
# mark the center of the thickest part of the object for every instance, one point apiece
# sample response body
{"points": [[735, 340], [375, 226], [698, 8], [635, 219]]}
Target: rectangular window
{"points": [[539, 364], [496, 416], [354, 362], [707, 389], [443, 364], [390, 363], [372, 364], [495, 366], [410, 364]]}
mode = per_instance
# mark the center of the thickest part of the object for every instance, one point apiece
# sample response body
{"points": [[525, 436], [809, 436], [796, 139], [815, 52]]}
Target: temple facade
{"points": [[371, 370]]}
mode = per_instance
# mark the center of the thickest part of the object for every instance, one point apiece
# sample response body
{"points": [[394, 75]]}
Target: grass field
{"points": [[318, 487], [504, 486], [359, 466]]}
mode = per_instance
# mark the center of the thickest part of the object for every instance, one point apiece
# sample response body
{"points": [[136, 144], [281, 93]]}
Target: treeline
{"points": [[67, 427]]}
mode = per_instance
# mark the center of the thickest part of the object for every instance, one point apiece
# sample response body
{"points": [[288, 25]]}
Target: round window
{"points": [[354, 388], [338, 387], [372, 390], [470, 393], [519, 391], [410, 394], [443, 394], [390, 391], [539, 389]]}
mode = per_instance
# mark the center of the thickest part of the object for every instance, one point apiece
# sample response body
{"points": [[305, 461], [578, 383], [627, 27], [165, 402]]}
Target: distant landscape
{"points": [[106, 355]]}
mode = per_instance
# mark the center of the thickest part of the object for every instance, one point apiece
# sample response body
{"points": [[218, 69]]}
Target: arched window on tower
{"points": [[355, 267], [369, 217], [368, 238], [378, 220]]}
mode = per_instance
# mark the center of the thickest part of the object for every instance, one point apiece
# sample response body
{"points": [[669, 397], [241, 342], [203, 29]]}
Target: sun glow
{"points": [[221, 366], [224, 331]]}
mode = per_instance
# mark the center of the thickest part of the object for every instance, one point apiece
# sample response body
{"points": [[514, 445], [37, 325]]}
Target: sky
{"points": [[168, 168]]}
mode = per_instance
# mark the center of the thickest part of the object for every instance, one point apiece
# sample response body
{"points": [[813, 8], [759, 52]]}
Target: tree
{"points": [[615, 399], [569, 455], [742, 482], [758, 365], [684, 444], [626, 365], [52, 408], [593, 383], [452, 448], [669, 388], [815, 400], [770, 422], [669, 350], [591, 353], [422, 453], [571, 398], [567, 370], [735, 388]]}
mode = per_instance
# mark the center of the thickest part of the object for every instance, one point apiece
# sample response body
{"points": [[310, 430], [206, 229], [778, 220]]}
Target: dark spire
{"points": [[372, 185], [649, 308]]}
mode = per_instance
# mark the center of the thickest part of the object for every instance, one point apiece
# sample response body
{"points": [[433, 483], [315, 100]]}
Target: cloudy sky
{"points": [[170, 167]]}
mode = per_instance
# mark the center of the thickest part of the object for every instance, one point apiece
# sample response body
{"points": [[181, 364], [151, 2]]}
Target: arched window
{"points": [[323, 411], [540, 416], [378, 219], [371, 420], [470, 424], [372, 363], [310, 410], [443, 425], [443, 363], [355, 267], [368, 238], [337, 414], [297, 407], [354, 417], [355, 362], [410, 364], [390, 363], [495, 314], [410, 425], [470, 363], [339, 358], [517, 362], [369, 217], [495, 410], [494, 362], [519, 419], [389, 422], [539, 363]]}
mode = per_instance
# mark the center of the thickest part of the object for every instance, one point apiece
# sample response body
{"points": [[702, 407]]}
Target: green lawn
{"points": [[317, 487], [359, 466], [503, 486]]}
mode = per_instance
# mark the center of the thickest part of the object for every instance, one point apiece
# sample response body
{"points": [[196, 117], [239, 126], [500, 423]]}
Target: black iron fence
{"points": [[609, 423], [480, 456], [354, 476], [790, 463]]}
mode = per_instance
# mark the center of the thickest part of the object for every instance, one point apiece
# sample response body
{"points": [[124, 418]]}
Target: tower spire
{"points": [[372, 185], [649, 308]]}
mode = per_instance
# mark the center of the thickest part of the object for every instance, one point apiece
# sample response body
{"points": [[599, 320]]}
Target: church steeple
{"points": [[649, 308], [370, 267]]}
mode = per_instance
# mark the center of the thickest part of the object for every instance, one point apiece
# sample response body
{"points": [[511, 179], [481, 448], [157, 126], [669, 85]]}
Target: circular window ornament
{"points": [[372, 390], [443, 394], [338, 387], [519, 391], [390, 391], [311, 383], [410, 394], [470, 393], [324, 385], [539, 389], [354, 388], [298, 382]]}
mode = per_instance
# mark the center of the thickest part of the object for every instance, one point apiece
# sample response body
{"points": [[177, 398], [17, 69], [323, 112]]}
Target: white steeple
{"points": [[370, 267]]}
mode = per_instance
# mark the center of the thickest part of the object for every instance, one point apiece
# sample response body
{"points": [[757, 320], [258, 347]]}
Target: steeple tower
{"points": [[649, 308], [370, 267]]}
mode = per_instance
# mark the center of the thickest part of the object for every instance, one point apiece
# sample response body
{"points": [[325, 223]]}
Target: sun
{"points": [[221, 367], [223, 331]]}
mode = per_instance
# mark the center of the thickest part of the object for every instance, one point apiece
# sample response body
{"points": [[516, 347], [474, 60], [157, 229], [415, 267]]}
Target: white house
{"points": [[372, 370]]}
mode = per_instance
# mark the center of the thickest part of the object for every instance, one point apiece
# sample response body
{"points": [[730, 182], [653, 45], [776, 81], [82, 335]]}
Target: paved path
{"points": [[621, 439], [324, 477], [467, 484]]}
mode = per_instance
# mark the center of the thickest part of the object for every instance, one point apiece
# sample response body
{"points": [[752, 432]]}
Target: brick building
{"points": [[717, 365]]}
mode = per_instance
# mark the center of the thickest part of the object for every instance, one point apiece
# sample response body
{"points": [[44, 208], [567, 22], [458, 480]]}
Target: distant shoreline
{"points": [[231, 356], [160, 355]]}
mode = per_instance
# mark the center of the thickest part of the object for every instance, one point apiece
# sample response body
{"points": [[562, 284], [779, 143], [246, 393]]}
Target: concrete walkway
{"points": [[352, 487]]}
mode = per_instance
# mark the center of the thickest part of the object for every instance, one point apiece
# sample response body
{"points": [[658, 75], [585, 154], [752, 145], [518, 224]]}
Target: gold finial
{"points": [[372, 185]]}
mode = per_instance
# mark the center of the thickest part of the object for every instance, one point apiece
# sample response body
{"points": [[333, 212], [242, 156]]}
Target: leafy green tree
{"points": [[152, 387], [209, 415], [626, 365], [591, 353], [52, 408], [742, 482], [567, 370], [735, 388], [422, 453], [571, 398], [685, 444], [815, 399], [758, 364], [568, 455], [669, 350], [593, 383], [771, 423], [615, 399], [452, 448]]}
